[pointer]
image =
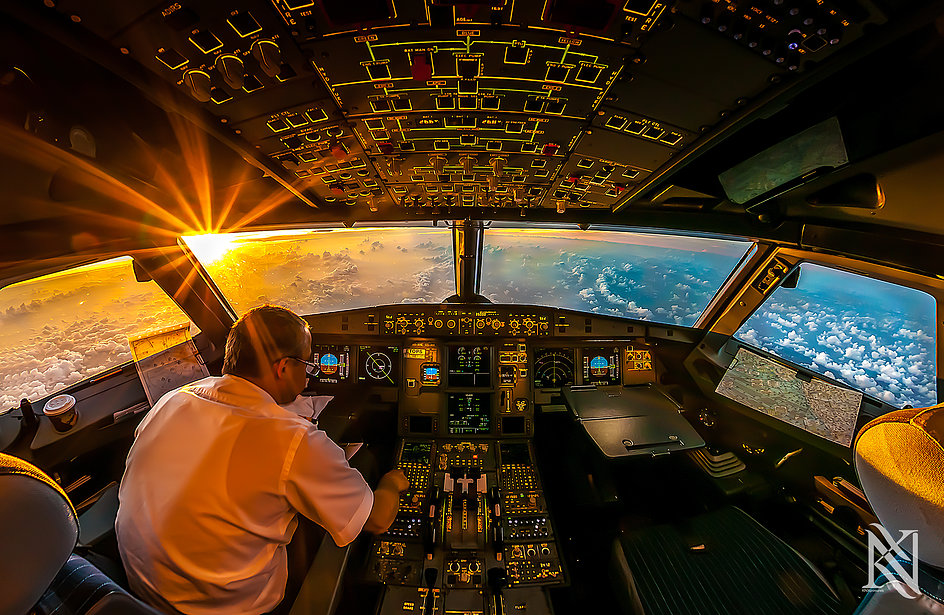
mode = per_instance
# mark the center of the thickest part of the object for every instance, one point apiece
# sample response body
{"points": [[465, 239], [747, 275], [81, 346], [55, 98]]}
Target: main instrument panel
{"points": [[474, 533], [477, 372]]}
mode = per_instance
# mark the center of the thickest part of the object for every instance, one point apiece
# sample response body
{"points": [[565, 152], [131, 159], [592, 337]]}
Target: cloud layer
{"points": [[659, 285], [889, 356]]}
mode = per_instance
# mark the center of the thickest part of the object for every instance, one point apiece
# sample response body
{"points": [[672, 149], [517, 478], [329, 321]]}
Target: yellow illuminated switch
{"points": [[205, 41], [171, 58], [244, 24], [588, 73]]}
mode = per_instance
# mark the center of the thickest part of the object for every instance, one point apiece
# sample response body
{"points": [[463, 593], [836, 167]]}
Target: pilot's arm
{"points": [[321, 485], [386, 501]]}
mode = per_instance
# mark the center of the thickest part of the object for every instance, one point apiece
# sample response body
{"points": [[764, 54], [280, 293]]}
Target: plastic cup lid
{"points": [[59, 404]]}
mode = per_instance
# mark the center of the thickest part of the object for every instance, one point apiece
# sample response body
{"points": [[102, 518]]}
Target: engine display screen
{"points": [[334, 363], [470, 366], [601, 366], [469, 413], [379, 365]]}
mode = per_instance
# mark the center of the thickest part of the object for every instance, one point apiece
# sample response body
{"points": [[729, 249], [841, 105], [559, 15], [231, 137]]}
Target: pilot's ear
{"points": [[280, 367]]}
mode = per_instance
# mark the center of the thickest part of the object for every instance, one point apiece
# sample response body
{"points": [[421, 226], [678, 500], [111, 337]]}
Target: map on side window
{"points": [[166, 360], [823, 409]]}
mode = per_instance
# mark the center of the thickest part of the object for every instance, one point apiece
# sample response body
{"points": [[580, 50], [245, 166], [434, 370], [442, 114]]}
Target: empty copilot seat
{"points": [[719, 563]]}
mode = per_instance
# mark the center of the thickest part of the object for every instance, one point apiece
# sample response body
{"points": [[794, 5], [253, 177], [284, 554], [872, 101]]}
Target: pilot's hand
{"points": [[396, 479]]}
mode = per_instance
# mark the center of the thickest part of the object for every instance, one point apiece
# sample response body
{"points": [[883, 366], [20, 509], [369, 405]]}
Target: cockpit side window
{"points": [[64, 327], [873, 335]]}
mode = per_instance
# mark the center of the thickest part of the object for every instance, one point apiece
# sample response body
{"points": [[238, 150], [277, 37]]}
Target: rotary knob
{"points": [[438, 163], [468, 162], [498, 166], [198, 82], [269, 56], [232, 69]]}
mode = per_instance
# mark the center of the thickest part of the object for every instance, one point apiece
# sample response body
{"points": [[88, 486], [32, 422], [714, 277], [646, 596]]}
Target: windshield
{"points": [[327, 270], [661, 278]]}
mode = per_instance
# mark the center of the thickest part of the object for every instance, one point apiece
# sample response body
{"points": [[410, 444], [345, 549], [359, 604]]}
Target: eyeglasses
{"points": [[311, 369]]}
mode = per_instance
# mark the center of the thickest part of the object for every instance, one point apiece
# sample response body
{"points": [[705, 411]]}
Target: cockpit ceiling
{"points": [[394, 103], [147, 121]]}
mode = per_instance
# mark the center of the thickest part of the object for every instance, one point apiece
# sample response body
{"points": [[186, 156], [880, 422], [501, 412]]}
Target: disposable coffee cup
{"points": [[60, 410]]}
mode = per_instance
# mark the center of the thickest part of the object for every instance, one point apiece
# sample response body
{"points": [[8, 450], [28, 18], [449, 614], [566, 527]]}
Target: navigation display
{"points": [[469, 413], [601, 366], [470, 366], [823, 409], [553, 367], [379, 365], [334, 363]]}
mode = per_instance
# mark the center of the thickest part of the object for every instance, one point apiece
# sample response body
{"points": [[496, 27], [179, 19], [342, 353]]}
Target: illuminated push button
{"points": [[588, 74], [219, 95], [516, 55], [244, 24], [205, 41], [490, 103], [278, 125], [555, 107], [468, 68], [556, 73], [534, 105], [171, 58], [550, 149], [251, 84]]}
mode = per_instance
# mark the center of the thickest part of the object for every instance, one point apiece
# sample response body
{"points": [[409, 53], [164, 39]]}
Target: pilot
{"points": [[219, 472]]}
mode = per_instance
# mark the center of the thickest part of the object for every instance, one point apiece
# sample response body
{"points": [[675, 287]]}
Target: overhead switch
{"points": [[269, 56], [198, 82], [231, 69], [420, 66]]}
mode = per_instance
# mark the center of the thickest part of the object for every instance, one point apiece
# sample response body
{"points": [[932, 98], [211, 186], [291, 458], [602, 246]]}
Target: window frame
{"points": [[744, 300]]}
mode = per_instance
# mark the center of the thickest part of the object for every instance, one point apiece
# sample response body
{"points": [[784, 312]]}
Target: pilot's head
{"points": [[268, 346]]}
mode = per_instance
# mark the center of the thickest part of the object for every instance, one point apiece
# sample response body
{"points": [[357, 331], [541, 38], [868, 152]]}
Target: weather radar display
{"points": [[379, 365], [553, 367]]}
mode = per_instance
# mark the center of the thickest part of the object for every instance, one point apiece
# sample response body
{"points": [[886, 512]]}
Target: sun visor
{"points": [[787, 164]]}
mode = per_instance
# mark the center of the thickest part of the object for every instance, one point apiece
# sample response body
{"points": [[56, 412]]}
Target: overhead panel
{"points": [[497, 103]]}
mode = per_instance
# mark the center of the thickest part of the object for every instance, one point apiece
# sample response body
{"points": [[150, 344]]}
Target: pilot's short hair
{"points": [[262, 336]]}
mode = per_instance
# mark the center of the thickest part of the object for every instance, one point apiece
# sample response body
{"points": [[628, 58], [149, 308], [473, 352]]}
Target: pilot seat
{"points": [[899, 458], [38, 530]]}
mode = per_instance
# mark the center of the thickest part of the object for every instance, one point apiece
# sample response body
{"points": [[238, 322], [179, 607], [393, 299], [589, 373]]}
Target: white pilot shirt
{"points": [[209, 497]]}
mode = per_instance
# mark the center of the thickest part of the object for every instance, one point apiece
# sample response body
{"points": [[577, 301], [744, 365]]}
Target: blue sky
{"points": [[875, 336]]}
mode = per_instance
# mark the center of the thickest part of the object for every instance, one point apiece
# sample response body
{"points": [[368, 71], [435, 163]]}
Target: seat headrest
{"points": [[899, 458], [38, 529]]}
